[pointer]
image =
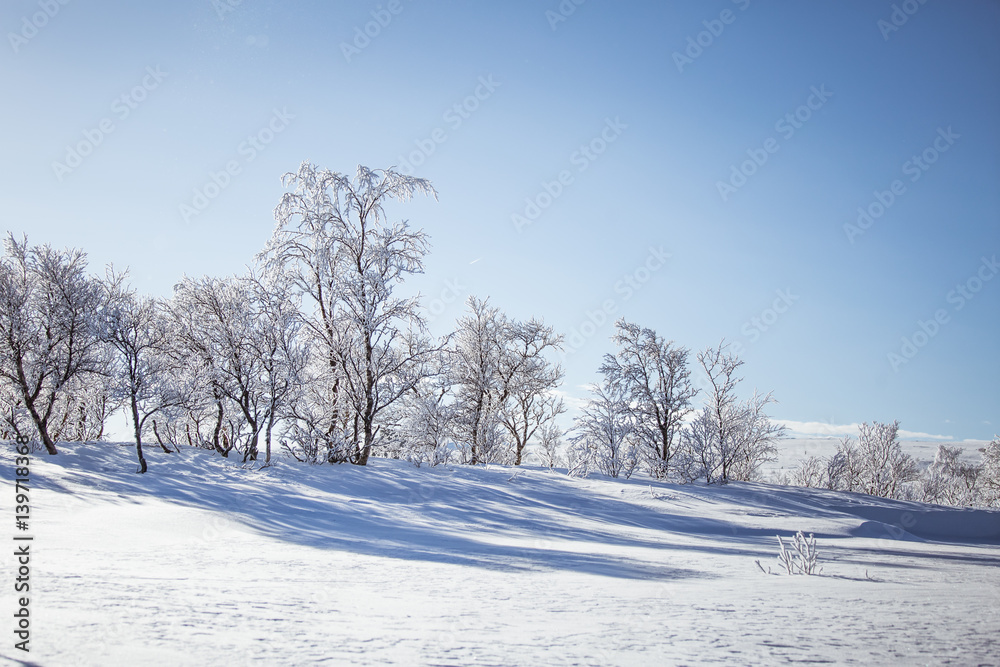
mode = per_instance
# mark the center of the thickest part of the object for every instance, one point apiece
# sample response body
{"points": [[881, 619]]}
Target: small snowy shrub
{"points": [[800, 557], [811, 473]]}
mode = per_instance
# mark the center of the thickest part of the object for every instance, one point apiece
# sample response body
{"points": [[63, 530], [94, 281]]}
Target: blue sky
{"points": [[713, 158]]}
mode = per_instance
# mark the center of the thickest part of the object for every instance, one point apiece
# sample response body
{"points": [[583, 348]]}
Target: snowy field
{"points": [[201, 562]]}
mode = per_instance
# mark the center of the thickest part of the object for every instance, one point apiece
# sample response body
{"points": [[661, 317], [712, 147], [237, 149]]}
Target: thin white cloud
{"points": [[917, 435], [573, 403]]}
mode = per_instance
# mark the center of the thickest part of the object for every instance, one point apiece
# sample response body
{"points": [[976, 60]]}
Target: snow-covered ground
{"points": [[201, 562]]}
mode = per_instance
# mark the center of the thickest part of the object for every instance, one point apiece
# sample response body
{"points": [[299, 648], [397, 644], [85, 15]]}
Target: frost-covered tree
{"points": [[989, 476], [604, 435], [202, 415], [80, 415], [697, 457], [811, 473], [334, 242], [754, 438], [949, 480], [241, 332], [728, 440], [274, 323], [885, 468], [550, 445], [528, 380], [655, 377], [844, 468], [48, 339], [839, 472], [876, 464], [214, 344], [717, 423], [427, 421], [135, 328], [503, 383], [475, 373], [16, 422]]}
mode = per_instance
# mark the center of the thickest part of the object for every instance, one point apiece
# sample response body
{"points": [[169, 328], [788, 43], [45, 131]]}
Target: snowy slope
{"points": [[201, 562]]}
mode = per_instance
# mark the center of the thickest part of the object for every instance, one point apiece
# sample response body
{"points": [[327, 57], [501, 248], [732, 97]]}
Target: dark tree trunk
{"points": [[157, 434], [218, 431], [366, 449], [519, 445], [474, 458], [251, 452], [41, 424], [267, 437], [138, 437], [41, 427]]}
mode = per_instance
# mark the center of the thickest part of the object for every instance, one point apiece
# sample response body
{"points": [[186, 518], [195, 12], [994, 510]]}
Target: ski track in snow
{"points": [[200, 562]]}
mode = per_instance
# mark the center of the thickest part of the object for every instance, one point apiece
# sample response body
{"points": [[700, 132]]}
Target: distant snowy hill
{"points": [[791, 451], [202, 562]]}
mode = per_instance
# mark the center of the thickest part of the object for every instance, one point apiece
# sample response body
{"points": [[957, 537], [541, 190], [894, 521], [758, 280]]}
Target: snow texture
{"points": [[202, 562]]}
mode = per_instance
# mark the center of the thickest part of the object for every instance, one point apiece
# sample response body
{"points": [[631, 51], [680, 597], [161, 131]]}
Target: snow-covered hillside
{"points": [[202, 562]]}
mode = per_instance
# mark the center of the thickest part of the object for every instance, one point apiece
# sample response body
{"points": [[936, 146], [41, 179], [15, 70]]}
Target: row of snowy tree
{"points": [[313, 338], [875, 464], [642, 415], [314, 352], [312, 345]]}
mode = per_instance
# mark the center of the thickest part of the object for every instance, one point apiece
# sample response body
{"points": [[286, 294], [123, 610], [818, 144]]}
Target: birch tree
{"points": [[134, 327], [885, 467], [47, 333], [605, 431], [336, 244], [275, 343], [475, 370], [504, 383], [989, 477], [527, 380], [728, 440], [654, 374]]}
